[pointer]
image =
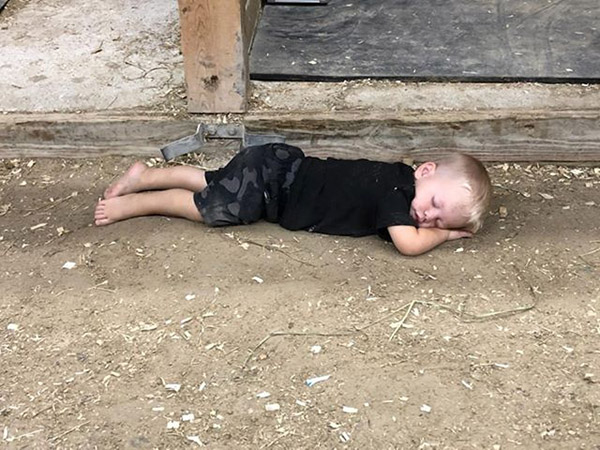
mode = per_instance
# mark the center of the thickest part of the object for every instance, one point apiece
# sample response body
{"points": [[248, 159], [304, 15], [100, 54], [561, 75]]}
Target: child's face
{"points": [[439, 199]]}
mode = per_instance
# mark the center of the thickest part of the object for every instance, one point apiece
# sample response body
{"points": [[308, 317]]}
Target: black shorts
{"points": [[254, 185]]}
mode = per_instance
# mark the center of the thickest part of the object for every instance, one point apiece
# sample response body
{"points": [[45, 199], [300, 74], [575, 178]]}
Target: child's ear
{"points": [[426, 169]]}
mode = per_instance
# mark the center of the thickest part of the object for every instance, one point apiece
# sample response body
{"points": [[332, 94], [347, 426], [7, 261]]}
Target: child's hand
{"points": [[457, 234]]}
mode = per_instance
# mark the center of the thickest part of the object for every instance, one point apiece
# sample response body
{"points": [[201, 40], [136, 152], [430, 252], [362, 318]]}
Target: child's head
{"points": [[452, 192]]}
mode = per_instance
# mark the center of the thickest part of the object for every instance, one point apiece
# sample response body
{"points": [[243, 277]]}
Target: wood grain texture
{"points": [[88, 135], [568, 136], [215, 60], [560, 136]]}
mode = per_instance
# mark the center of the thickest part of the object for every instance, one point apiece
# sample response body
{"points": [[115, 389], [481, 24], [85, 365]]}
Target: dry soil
{"points": [[168, 334]]}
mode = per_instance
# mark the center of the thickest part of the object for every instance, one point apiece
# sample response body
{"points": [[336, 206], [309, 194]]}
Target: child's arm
{"points": [[414, 241]]}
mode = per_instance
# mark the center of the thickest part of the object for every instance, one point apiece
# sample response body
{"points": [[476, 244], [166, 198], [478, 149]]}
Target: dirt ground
{"points": [[159, 333], [167, 334]]}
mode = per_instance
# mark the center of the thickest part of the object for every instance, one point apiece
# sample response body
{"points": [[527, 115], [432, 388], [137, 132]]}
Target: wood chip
{"points": [[38, 226], [312, 381], [196, 440], [173, 425], [467, 384]]}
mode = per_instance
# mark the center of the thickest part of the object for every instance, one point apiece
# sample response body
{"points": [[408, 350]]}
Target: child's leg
{"points": [[171, 202], [139, 177]]}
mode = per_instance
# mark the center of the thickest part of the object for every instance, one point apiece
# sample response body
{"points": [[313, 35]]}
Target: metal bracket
{"points": [[208, 131]]}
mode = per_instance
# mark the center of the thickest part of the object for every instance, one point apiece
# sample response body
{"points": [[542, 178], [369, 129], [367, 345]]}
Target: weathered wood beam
{"points": [[215, 41], [567, 135], [88, 135], [536, 135]]}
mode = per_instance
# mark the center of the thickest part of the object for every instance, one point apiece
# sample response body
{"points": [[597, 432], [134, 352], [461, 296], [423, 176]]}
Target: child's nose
{"points": [[430, 215]]}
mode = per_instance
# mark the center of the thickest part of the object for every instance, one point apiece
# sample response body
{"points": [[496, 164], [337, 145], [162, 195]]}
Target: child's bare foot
{"points": [[112, 210], [128, 183]]}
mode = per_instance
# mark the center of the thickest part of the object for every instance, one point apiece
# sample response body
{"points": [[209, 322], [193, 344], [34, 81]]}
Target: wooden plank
{"points": [[215, 49], [91, 135], [565, 136], [559, 136]]}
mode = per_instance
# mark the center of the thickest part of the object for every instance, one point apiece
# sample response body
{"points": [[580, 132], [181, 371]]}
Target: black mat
{"points": [[3, 4], [460, 40]]}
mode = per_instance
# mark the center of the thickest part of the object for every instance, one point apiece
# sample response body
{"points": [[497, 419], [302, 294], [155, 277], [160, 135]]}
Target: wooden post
{"points": [[215, 40]]}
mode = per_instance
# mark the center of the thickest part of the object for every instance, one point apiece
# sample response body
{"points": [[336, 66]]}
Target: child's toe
{"points": [[102, 221]]}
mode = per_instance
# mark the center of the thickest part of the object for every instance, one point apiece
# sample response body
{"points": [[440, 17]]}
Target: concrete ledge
{"points": [[401, 97]]}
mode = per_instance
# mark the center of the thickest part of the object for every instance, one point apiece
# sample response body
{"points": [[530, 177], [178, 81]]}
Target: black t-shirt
{"points": [[349, 197]]}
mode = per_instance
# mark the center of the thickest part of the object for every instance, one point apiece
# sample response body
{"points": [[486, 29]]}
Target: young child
{"points": [[415, 209]]}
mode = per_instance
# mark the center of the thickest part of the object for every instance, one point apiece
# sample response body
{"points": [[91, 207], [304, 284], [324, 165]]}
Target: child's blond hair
{"points": [[475, 180]]}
